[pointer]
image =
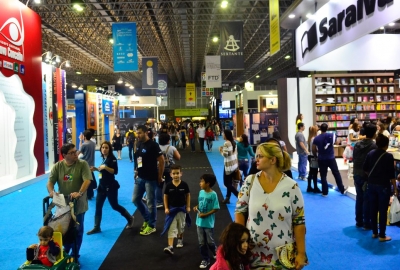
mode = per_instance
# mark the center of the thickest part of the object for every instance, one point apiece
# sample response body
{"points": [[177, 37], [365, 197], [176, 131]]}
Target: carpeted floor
{"points": [[132, 250]]}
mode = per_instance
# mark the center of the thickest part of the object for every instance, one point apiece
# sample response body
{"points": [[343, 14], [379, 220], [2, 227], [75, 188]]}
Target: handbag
{"points": [[287, 255], [394, 214], [237, 175]]}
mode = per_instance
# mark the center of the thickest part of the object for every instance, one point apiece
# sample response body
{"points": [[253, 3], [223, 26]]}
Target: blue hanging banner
{"points": [[125, 47], [107, 104], [162, 89], [150, 73]]}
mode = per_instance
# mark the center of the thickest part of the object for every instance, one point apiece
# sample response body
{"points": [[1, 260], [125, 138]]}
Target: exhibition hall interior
{"points": [[246, 70]]}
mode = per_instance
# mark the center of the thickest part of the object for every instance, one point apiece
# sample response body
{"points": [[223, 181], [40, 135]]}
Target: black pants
{"points": [[130, 151], [112, 195], [93, 185], [323, 171], [201, 141], [228, 184]]}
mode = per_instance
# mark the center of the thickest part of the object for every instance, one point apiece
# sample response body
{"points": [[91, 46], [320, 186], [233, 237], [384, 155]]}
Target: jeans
{"points": [[160, 187], [228, 184], [363, 212], [149, 211], [209, 144], [173, 141], [205, 237], [244, 167], [80, 218], [191, 142], [130, 151], [302, 165], [112, 195], [201, 142], [379, 201], [323, 171]]}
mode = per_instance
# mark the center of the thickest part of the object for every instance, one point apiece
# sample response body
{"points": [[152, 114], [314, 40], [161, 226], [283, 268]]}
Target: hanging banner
{"points": [[274, 28], [150, 73], [162, 89], [107, 104], [91, 110], [213, 71], [232, 45], [190, 94], [125, 47]]}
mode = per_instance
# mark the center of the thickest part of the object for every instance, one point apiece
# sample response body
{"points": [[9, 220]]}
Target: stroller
{"points": [[60, 236]]}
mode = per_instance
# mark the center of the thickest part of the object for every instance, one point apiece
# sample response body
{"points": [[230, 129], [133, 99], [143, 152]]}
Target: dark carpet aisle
{"points": [[134, 251]]}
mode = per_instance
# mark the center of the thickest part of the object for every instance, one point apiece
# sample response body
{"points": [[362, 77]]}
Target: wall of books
{"points": [[367, 96]]}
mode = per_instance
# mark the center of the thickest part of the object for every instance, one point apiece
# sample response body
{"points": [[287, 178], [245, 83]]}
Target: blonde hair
{"points": [[273, 149], [312, 132]]}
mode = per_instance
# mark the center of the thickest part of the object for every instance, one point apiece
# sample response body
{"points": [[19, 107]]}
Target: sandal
{"points": [[384, 239]]}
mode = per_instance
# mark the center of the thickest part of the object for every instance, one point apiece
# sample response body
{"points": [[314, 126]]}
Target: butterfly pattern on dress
{"points": [[286, 194], [265, 206], [296, 199], [270, 214], [281, 234], [258, 219], [280, 217], [273, 225], [287, 209], [266, 258]]}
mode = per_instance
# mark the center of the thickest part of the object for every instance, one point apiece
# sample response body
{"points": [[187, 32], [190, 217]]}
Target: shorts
{"points": [[177, 226]]}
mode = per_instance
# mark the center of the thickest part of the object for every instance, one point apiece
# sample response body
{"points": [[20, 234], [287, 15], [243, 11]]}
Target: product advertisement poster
{"points": [[191, 94], [150, 73], [125, 47], [20, 56], [213, 76], [91, 110]]}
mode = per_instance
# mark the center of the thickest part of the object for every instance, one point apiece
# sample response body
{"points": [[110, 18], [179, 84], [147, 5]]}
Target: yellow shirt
{"points": [[297, 122]]}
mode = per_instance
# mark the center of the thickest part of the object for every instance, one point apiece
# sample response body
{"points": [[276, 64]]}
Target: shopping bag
{"points": [[394, 211]]}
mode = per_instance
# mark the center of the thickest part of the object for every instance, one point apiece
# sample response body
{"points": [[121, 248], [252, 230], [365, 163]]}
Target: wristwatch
{"points": [[80, 193]]}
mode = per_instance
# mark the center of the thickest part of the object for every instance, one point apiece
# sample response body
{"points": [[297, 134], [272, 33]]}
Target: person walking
{"points": [[108, 188], [130, 141], [191, 133], [183, 136], [87, 149], [72, 176], [117, 143], [228, 151], [244, 150], [201, 134], [148, 156], [323, 148], [210, 138], [302, 151], [361, 150]]}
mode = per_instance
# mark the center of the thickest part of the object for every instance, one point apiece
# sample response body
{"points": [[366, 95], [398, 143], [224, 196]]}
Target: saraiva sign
{"points": [[340, 22]]}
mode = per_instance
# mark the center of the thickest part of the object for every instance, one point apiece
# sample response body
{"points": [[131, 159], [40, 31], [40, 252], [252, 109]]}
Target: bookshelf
{"points": [[366, 96]]}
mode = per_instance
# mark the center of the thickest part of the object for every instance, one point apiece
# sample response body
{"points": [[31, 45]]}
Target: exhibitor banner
{"points": [[274, 27], [125, 47], [232, 45], [162, 89], [191, 94], [150, 73], [213, 71]]}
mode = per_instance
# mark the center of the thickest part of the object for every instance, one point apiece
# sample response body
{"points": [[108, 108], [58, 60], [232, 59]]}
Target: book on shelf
{"points": [[371, 81], [378, 98], [345, 90], [330, 90], [359, 81], [378, 80], [384, 89], [385, 98], [359, 89], [385, 80], [391, 89], [359, 99], [397, 97], [351, 80], [338, 90], [391, 97], [371, 89], [337, 81], [344, 82], [365, 99], [351, 99], [339, 99], [319, 90], [365, 81], [352, 90], [345, 100], [390, 80], [371, 98], [365, 89], [379, 89]]}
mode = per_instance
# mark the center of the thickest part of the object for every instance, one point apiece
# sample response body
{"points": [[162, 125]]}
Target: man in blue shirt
{"points": [[323, 148]]}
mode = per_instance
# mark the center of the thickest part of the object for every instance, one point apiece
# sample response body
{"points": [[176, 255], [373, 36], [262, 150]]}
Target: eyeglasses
{"points": [[72, 153]]}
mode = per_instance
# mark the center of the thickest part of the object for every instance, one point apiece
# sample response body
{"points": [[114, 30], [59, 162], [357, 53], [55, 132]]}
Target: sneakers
{"points": [[204, 264], [145, 224], [130, 224], [159, 205], [94, 230], [180, 243], [302, 178], [148, 230], [345, 190], [169, 250], [309, 189]]}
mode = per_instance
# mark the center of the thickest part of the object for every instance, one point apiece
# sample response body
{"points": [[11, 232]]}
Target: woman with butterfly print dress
{"points": [[275, 208]]}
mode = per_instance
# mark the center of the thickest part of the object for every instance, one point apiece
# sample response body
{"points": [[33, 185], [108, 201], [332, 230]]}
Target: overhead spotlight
{"points": [[111, 39], [96, 80], [77, 5], [382, 28], [48, 55], [391, 24], [257, 76], [127, 84], [58, 59], [120, 80], [224, 4], [73, 85], [131, 87], [287, 57], [291, 16], [80, 87], [269, 69], [215, 39], [78, 72]]}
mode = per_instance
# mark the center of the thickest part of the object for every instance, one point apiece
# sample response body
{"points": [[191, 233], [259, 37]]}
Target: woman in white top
{"points": [[228, 151], [381, 129]]}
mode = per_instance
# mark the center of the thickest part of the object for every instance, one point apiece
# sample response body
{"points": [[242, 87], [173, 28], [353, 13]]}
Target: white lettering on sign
{"points": [[3, 50], [15, 55]]}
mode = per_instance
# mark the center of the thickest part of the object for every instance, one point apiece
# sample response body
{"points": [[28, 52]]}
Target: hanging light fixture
{"points": [[120, 80], [73, 85], [80, 87]]}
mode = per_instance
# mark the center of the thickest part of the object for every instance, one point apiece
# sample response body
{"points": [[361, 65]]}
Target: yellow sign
{"points": [[191, 112], [190, 94], [274, 27]]}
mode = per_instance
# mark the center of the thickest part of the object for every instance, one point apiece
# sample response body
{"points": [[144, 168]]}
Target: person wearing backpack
{"points": [[170, 154], [130, 141]]}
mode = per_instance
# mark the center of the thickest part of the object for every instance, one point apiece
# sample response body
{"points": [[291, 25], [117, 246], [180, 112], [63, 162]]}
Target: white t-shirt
{"points": [[355, 135], [202, 132]]}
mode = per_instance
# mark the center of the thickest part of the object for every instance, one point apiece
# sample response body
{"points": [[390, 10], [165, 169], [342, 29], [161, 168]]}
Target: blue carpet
{"points": [[333, 242]]}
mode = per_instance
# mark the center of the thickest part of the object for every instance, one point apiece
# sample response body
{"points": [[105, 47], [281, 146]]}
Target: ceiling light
{"points": [[96, 80], [58, 59], [287, 57], [391, 24], [309, 75], [48, 55], [131, 87], [224, 4], [127, 84], [309, 15], [80, 87], [120, 80], [73, 85], [111, 39], [269, 69], [257, 76], [37, 1], [78, 72], [382, 28], [77, 5], [215, 39], [67, 64], [291, 16]]}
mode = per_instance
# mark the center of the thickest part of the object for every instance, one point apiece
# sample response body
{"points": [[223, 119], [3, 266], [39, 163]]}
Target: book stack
{"points": [[384, 89], [330, 100], [319, 100], [351, 98], [379, 89], [352, 90], [391, 89]]}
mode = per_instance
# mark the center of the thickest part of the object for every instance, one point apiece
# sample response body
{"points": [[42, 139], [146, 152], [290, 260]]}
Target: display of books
{"points": [[391, 89], [384, 89], [359, 89], [352, 90], [320, 90], [378, 80], [359, 99], [365, 81], [365, 99], [385, 98], [371, 81], [345, 90], [337, 81], [330, 90], [338, 90], [391, 97], [371, 98], [365, 89], [351, 81], [345, 100], [371, 89], [390, 80], [359, 81], [344, 82], [379, 89], [385, 80], [351, 99], [378, 98], [339, 99]]}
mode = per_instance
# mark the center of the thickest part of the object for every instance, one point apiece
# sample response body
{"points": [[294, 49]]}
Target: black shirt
{"points": [[383, 171], [149, 151], [176, 194], [106, 177]]}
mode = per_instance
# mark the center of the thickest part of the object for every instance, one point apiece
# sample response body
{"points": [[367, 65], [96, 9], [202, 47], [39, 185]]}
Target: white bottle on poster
{"points": [[149, 72]]}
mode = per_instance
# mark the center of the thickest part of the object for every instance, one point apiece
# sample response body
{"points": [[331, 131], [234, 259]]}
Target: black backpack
{"points": [[131, 137]]}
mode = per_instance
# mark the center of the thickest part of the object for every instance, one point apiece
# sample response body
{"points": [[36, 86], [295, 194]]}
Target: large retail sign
{"points": [[213, 74], [92, 110], [274, 27], [191, 112], [125, 47], [231, 45], [191, 94], [340, 22], [150, 73], [162, 89], [21, 48]]}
